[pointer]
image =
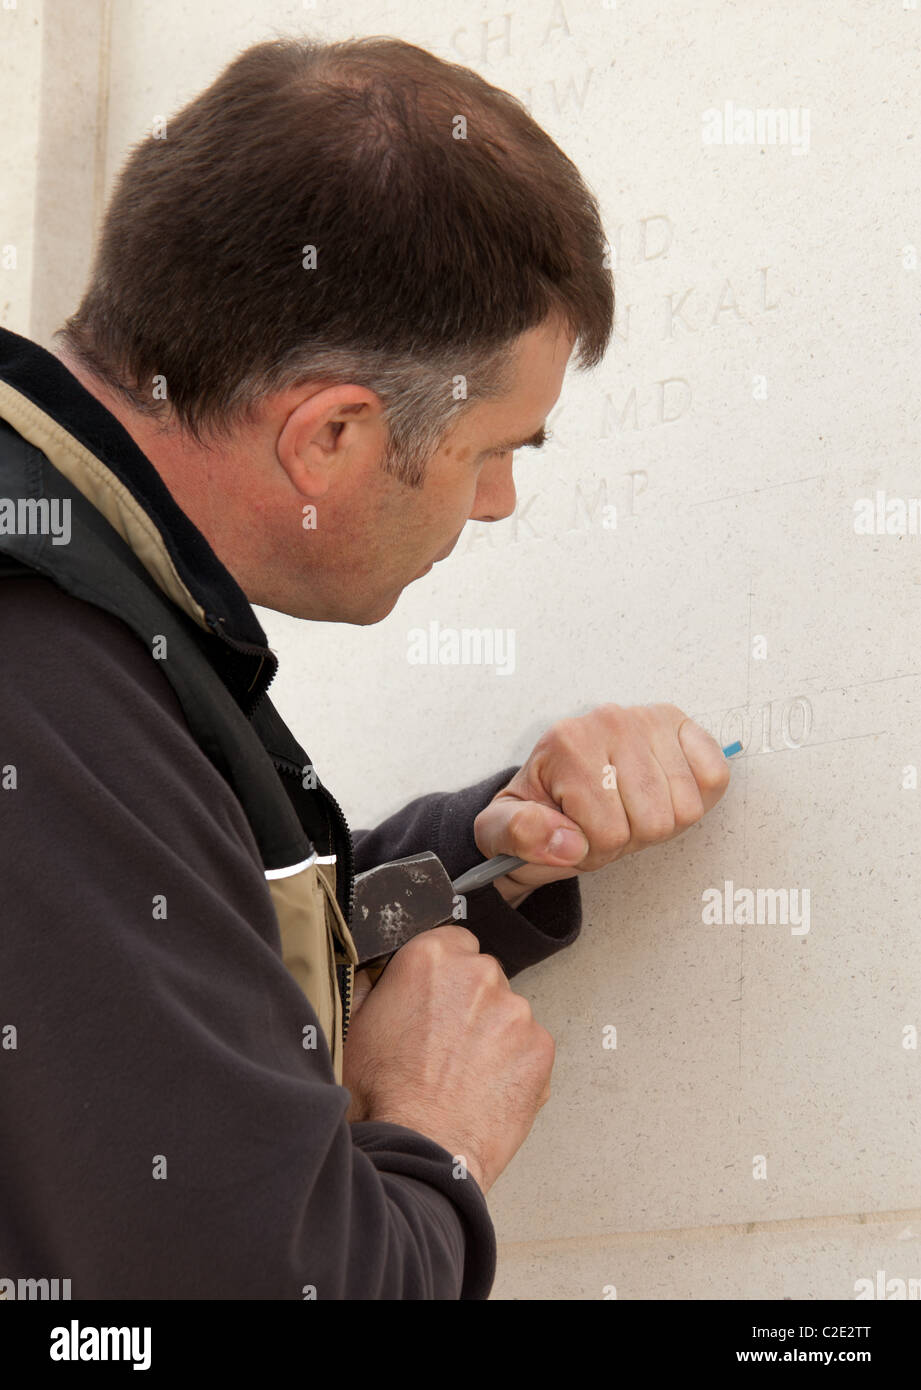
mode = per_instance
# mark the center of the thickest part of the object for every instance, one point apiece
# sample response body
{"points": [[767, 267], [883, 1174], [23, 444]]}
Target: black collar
{"points": [[44, 379]]}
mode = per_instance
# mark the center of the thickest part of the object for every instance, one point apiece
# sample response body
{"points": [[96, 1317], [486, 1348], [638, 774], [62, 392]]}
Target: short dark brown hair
{"points": [[433, 253]]}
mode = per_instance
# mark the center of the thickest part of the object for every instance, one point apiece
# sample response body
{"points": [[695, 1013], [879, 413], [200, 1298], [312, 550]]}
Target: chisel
{"points": [[396, 901]]}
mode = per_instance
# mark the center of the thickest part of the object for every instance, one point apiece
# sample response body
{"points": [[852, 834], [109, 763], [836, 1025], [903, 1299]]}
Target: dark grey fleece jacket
{"points": [[162, 1133]]}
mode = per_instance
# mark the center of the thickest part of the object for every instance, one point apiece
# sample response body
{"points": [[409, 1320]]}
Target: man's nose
{"points": [[495, 495]]}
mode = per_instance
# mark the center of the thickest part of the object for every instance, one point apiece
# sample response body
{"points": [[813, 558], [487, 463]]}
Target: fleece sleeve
{"points": [[165, 1133]]}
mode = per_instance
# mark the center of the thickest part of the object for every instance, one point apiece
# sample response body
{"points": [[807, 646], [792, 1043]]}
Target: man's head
{"points": [[345, 275]]}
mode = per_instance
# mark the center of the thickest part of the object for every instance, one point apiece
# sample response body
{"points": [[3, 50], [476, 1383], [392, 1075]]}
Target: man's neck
{"points": [[149, 437], [186, 468]]}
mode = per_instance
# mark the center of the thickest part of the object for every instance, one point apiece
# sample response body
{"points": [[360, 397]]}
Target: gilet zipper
{"points": [[344, 980]]}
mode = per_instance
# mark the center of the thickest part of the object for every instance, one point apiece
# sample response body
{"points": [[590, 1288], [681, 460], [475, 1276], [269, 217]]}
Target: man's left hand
{"points": [[600, 786]]}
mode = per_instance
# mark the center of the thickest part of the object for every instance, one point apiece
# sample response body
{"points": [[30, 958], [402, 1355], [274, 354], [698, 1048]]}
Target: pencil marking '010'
{"points": [[768, 728]]}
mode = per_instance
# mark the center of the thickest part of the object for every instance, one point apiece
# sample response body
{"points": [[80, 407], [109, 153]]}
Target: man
{"points": [[325, 310]]}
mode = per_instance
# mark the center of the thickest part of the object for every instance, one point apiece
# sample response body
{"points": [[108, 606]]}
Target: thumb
{"points": [[536, 833]]}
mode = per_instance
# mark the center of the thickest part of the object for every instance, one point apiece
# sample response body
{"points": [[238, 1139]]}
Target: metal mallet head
{"points": [[395, 902]]}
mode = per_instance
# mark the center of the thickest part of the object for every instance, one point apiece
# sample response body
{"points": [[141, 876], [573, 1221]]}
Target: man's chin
{"points": [[365, 616], [381, 610], [389, 602]]}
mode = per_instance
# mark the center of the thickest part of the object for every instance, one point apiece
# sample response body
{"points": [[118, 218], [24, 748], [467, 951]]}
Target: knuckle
{"points": [[657, 824], [451, 935], [420, 947], [520, 1007], [689, 809], [427, 944], [686, 799], [561, 735], [611, 840], [545, 1041], [715, 776], [616, 717], [490, 969], [435, 945], [517, 827]]}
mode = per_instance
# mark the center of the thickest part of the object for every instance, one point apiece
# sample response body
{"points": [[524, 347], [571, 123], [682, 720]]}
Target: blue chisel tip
{"points": [[732, 748]]}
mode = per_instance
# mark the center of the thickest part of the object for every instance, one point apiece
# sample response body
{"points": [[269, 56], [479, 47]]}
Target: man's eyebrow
{"points": [[536, 441]]}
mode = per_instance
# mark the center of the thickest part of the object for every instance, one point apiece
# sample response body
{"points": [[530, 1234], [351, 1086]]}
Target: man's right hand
{"points": [[443, 1045]]}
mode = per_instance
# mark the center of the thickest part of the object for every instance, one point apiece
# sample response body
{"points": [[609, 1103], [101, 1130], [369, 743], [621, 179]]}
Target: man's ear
{"points": [[325, 432]]}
